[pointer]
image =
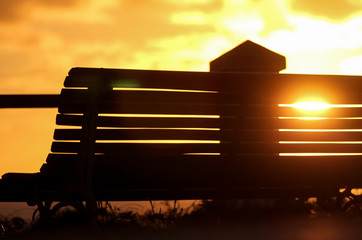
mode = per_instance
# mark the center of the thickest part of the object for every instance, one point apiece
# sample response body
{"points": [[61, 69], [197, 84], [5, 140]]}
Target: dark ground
{"points": [[212, 220]]}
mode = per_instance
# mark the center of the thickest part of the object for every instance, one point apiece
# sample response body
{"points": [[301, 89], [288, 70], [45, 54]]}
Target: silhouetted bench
{"points": [[158, 135]]}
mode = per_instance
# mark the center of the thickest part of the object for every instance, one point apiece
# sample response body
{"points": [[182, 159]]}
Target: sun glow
{"points": [[304, 118], [318, 105], [312, 106], [309, 105], [307, 110]]}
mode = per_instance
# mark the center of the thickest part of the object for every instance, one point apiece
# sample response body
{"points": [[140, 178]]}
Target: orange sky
{"points": [[41, 40]]}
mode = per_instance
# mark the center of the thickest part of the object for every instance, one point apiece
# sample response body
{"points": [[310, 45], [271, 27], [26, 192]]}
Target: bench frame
{"points": [[84, 191]]}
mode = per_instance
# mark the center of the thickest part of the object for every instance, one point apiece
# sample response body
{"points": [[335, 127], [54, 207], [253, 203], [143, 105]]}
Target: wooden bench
{"points": [[157, 135]]}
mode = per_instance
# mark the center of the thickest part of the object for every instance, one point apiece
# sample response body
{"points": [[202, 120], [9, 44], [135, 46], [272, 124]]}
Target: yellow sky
{"points": [[41, 40]]}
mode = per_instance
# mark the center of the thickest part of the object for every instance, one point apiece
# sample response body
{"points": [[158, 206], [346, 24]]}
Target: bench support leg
{"points": [[43, 210]]}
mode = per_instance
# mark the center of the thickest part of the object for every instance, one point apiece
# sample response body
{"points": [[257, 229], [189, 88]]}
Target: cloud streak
{"points": [[336, 10]]}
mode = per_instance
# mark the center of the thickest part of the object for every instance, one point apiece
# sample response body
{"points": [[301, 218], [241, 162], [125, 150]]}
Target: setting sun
{"points": [[310, 105], [317, 106]]}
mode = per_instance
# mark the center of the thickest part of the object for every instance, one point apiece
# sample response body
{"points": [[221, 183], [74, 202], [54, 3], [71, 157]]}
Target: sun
{"points": [[308, 105], [311, 105]]}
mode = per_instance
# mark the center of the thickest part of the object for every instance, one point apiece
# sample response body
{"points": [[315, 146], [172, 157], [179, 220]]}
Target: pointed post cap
{"points": [[249, 57]]}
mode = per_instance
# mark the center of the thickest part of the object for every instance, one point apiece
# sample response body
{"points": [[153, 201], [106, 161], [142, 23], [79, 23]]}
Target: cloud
{"points": [[315, 34], [336, 10], [15, 10], [157, 34]]}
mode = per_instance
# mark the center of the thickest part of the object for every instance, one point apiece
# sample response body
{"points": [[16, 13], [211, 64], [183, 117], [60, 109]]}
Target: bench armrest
{"points": [[30, 101]]}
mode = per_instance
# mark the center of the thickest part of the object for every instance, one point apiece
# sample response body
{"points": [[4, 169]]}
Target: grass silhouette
{"points": [[218, 219]]}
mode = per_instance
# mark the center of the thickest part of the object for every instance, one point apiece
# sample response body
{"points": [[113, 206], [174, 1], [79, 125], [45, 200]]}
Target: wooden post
{"points": [[249, 57], [88, 143], [246, 57]]}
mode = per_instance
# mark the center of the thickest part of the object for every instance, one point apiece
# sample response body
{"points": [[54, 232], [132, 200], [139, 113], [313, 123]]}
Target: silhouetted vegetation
{"points": [[252, 219]]}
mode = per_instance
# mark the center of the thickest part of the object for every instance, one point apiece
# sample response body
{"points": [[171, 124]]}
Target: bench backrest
{"points": [[136, 129]]}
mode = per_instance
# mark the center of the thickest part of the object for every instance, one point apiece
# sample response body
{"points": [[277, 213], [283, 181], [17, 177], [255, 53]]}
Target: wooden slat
{"points": [[307, 161], [67, 134], [253, 109], [275, 123], [225, 110], [243, 96], [329, 113], [320, 136], [213, 171], [165, 133], [251, 135], [337, 87], [80, 77], [243, 172], [243, 147], [29, 101], [60, 165], [70, 108], [343, 170], [70, 120], [293, 87], [168, 134], [162, 108], [134, 148], [146, 108], [168, 122], [19, 179], [161, 97], [274, 147], [139, 134], [151, 170], [53, 157], [299, 171], [74, 95], [320, 148], [151, 122], [172, 134], [276, 135], [119, 159], [319, 124], [112, 96]]}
